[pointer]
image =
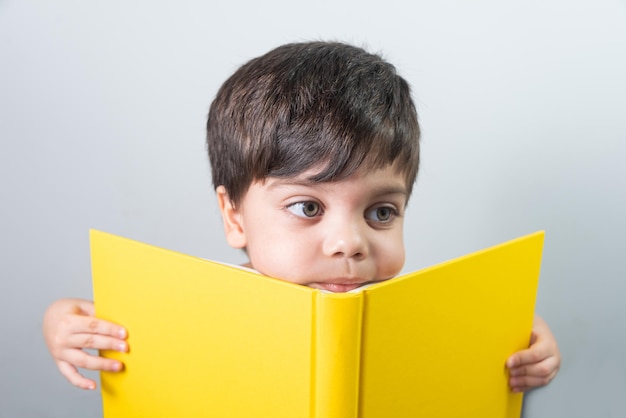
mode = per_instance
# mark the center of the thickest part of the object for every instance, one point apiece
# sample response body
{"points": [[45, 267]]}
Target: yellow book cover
{"points": [[212, 340]]}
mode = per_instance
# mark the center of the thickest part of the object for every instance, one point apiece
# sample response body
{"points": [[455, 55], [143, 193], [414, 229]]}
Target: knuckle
{"points": [[543, 370], [81, 362], [534, 357], [523, 371], [89, 342], [93, 324], [544, 381], [65, 324]]}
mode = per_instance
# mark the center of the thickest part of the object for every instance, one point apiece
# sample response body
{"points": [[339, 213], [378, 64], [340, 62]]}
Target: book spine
{"points": [[337, 355]]}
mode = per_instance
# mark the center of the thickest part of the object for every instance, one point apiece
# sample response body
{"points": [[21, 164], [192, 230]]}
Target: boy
{"points": [[314, 149]]}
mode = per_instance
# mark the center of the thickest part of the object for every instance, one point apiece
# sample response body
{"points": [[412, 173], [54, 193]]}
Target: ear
{"points": [[233, 225]]}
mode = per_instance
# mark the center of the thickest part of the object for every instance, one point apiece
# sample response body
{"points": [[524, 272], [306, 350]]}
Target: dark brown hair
{"points": [[309, 105]]}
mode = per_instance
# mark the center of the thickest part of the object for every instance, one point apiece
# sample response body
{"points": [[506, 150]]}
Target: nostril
{"points": [[358, 255]]}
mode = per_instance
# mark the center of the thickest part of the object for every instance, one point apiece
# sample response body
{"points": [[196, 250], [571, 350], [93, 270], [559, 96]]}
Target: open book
{"points": [[211, 340]]}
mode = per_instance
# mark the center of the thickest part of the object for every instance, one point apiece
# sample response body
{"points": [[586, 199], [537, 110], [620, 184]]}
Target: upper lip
{"points": [[344, 281], [343, 284]]}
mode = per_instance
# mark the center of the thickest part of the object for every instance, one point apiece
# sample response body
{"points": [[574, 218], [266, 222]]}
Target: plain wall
{"points": [[522, 106]]}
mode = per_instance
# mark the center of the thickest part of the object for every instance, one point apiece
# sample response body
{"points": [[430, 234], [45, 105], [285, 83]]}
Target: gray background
{"points": [[522, 104]]}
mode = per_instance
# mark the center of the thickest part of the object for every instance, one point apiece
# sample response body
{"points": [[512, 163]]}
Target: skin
{"points": [[537, 365], [69, 326], [334, 236]]}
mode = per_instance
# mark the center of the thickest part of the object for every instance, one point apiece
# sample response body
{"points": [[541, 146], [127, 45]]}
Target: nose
{"points": [[345, 238]]}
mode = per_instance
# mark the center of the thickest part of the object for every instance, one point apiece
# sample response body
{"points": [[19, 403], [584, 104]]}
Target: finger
{"points": [[76, 324], [524, 383], [535, 354], [97, 341], [71, 374], [545, 368], [79, 358], [86, 306]]}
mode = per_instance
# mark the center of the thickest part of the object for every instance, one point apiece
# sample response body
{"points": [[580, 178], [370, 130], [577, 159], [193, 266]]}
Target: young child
{"points": [[314, 149]]}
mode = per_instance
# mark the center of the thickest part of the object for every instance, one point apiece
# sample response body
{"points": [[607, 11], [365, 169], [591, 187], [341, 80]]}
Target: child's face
{"points": [[334, 236]]}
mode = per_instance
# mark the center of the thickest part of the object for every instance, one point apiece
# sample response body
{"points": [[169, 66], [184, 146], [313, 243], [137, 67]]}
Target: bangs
{"points": [[374, 130], [339, 157], [326, 106]]}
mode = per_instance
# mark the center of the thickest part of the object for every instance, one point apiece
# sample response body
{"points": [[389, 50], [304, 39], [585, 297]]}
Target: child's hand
{"points": [[537, 365], [69, 326]]}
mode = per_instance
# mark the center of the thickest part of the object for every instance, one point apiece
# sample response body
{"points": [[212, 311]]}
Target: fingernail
{"points": [[117, 367], [121, 347], [122, 333]]}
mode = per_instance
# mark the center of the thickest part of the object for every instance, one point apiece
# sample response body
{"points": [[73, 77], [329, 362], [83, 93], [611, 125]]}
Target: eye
{"points": [[381, 214], [308, 209]]}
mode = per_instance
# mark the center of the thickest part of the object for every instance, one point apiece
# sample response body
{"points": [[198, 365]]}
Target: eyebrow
{"points": [[390, 190], [375, 191], [281, 182]]}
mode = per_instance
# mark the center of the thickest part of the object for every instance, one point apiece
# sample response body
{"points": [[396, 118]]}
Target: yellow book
{"points": [[211, 340]]}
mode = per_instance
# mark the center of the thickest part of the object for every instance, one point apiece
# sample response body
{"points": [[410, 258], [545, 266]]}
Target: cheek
{"points": [[392, 256], [396, 262], [280, 256]]}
